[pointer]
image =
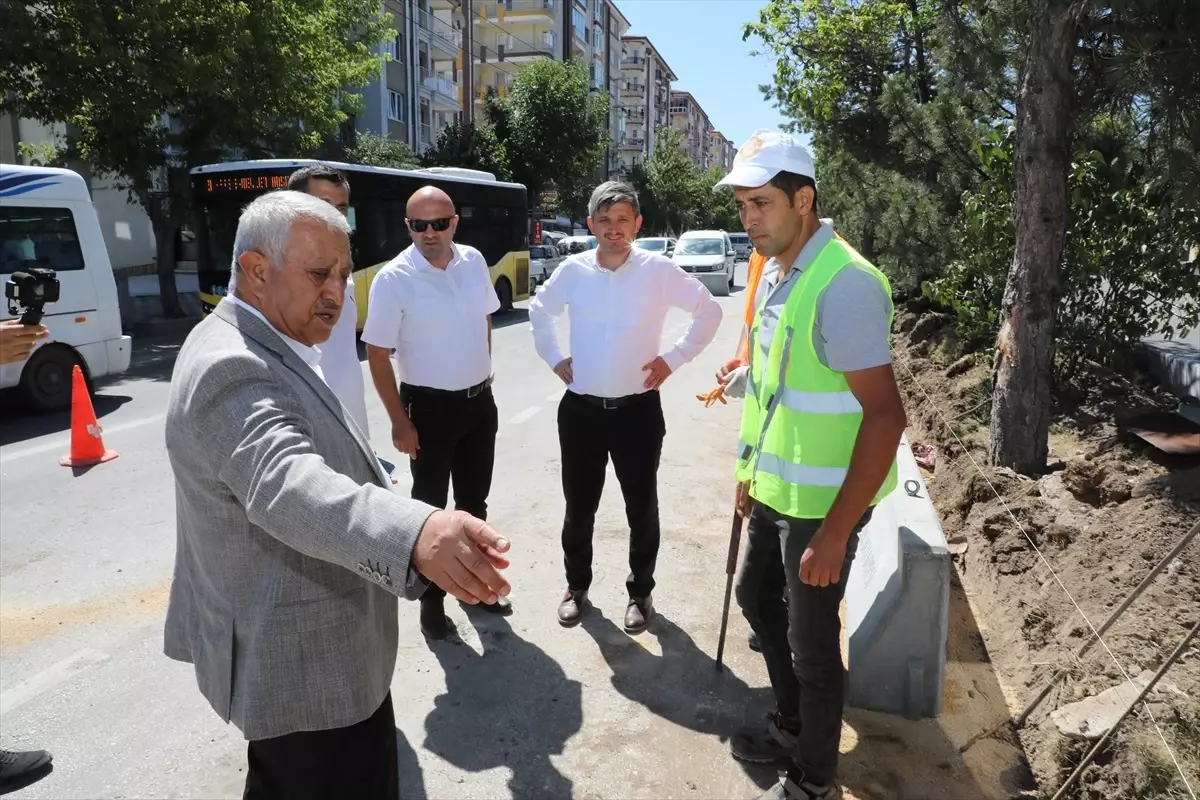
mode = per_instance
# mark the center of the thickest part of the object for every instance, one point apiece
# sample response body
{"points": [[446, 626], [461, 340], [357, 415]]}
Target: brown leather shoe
{"points": [[638, 615], [571, 608]]}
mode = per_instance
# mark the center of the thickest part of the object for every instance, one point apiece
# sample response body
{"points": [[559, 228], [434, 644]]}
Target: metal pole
{"points": [[468, 60], [1141, 695], [735, 537], [1108, 623]]}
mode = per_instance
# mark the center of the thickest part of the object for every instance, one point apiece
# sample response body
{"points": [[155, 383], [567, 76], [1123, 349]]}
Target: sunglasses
{"points": [[419, 225]]}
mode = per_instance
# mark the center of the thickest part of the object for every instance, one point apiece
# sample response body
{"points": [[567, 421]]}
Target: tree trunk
{"points": [[1021, 397], [165, 230]]}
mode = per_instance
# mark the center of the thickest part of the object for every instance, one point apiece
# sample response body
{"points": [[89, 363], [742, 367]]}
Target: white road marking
{"points": [[63, 442], [50, 677], [524, 416], [556, 395]]}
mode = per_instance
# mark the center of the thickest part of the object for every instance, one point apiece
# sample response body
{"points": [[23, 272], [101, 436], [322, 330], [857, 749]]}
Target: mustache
{"points": [[328, 305]]}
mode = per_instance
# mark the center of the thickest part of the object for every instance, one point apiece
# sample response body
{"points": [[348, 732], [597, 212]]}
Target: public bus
{"points": [[492, 214]]}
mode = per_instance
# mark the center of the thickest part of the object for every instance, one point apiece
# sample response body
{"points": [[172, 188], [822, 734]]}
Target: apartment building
{"points": [[720, 151], [418, 91], [645, 86], [689, 118]]}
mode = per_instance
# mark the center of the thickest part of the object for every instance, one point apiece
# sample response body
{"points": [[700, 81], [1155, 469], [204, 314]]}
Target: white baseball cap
{"points": [[766, 154]]}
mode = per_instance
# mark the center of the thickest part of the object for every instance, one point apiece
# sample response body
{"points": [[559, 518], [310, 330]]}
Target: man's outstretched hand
{"points": [[463, 555]]}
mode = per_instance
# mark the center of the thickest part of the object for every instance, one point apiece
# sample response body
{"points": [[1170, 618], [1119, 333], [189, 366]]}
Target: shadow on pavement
{"points": [[412, 780], [18, 425], [511, 707], [505, 319], [682, 685]]}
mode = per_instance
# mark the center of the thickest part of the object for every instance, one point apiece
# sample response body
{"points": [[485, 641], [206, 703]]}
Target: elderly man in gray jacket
{"points": [[291, 544]]}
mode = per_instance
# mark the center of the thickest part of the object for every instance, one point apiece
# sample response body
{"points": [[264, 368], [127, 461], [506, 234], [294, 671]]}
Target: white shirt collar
{"points": [[418, 260], [309, 354]]}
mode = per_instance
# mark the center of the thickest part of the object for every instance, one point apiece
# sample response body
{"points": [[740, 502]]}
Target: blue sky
{"points": [[702, 41]]}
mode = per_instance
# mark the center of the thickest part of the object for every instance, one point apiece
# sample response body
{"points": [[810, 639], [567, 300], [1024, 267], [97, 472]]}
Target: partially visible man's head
{"points": [[291, 260], [614, 216], [432, 221], [324, 182], [775, 187]]}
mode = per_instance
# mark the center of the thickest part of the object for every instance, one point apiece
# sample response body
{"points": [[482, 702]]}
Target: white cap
{"points": [[765, 155]]}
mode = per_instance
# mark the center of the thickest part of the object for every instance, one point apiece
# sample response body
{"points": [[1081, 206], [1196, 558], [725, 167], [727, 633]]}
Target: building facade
{"points": [[720, 151], [691, 120], [645, 86]]}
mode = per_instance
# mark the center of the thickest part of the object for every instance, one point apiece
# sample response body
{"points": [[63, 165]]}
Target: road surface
{"points": [[514, 707]]}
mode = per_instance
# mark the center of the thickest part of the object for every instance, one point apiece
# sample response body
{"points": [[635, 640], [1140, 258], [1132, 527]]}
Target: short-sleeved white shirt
{"points": [[436, 319]]}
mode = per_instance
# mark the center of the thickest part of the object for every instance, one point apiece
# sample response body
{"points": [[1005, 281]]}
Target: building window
{"points": [[397, 49], [396, 106], [579, 23]]}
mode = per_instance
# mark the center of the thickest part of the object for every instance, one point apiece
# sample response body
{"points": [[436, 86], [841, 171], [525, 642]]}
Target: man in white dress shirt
{"points": [[433, 305], [618, 297], [339, 362]]}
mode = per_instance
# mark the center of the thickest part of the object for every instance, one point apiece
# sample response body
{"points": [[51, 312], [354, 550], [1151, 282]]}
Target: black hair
{"points": [[298, 182], [789, 183]]}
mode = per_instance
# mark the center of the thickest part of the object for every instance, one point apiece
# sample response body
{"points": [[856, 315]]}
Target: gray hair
{"points": [[266, 225], [612, 192]]}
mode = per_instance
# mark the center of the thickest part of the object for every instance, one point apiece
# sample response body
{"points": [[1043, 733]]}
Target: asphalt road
{"points": [[510, 707]]}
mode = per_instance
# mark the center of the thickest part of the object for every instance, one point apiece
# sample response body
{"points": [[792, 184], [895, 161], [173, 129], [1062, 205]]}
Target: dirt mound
{"points": [[1106, 510]]}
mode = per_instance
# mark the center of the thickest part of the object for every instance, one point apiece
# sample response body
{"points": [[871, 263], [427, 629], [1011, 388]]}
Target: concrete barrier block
{"points": [[898, 602]]}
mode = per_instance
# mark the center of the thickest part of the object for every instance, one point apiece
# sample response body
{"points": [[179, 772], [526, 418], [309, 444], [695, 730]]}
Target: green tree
{"points": [[714, 210], [671, 180], [469, 145], [553, 127], [150, 88], [377, 150]]}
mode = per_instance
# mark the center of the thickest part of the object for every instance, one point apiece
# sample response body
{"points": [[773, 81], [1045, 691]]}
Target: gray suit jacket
{"points": [[291, 545]]}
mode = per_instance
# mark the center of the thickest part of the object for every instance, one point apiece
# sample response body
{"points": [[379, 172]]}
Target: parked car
{"points": [[577, 244], [543, 260], [741, 246], [709, 256], [656, 244]]}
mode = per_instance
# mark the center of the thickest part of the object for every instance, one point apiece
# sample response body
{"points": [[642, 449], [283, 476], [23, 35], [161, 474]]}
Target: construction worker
{"points": [[821, 423]]}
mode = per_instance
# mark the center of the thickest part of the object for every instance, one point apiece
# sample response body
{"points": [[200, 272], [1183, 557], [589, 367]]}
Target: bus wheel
{"points": [[504, 294], [46, 379]]}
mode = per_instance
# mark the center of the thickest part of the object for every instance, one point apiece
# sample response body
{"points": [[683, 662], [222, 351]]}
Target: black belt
{"points": [[613, 402], [473, 391]]}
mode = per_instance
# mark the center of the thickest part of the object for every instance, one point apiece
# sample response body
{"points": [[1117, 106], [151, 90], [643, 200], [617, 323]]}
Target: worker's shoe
{"points": [[753, 643], [638, 614], [771, 742], [20, 766], [570, 610], [434, 622], [800, 789]]}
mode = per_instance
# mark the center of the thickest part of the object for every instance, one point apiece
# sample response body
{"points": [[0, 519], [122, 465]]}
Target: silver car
{"points": [[543, 260], [741, 246]]}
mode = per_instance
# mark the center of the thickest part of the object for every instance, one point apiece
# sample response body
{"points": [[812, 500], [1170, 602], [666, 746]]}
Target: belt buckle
{"points": [[608, 403], [474, 390]]}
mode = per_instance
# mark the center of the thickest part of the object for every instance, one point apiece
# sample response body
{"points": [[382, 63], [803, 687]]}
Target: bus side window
{"points": [[38, 237]]}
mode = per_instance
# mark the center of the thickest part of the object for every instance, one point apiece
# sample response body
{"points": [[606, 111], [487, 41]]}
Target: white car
{"points": [[543, 260], [656, 244], [708, 255]]}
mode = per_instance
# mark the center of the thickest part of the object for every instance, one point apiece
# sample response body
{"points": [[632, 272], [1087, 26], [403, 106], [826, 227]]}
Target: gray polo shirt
{"points": [[852, 327]]}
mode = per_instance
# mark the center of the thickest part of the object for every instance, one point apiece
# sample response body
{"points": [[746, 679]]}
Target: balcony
{"points": [[443, 89], [510, 48], [634, 114], [633, 62], [524, 10], [438, 33], [633, 141], [631, 88]]}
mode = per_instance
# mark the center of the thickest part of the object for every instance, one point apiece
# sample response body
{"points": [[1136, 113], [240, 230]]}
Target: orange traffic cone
{"points": [[87, 448]]}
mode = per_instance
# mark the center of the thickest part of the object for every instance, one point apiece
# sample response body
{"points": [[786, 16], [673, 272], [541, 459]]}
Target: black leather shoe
{"points": [[570, 610], [434, 622], [752, 641], [638, 614]]}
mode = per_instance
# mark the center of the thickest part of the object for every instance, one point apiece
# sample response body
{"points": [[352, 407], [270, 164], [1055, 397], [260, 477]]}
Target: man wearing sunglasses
{"points": [[433, 304]]}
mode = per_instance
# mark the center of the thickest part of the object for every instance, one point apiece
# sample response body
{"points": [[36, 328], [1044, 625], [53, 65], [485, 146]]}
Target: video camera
{"points": [[29, 290]]}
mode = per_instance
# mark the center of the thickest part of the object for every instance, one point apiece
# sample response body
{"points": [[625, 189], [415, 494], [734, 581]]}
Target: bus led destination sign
{"points": [[232, 182]]}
